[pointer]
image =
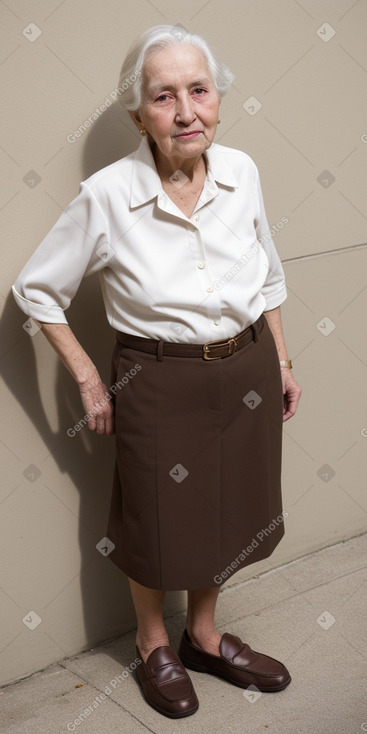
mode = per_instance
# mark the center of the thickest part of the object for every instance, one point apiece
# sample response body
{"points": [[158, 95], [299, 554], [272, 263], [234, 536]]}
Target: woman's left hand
{"points": [[291, 393]]}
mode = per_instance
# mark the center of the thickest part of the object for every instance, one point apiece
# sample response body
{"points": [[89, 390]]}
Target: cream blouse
{"points": [[163, 275]]}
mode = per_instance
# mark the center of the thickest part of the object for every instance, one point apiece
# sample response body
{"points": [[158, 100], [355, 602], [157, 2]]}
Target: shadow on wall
{"points": [[112, 136], [88, 459]]}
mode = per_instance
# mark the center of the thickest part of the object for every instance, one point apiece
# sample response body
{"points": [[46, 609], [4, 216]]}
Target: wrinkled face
{"points": [[180, 101]]}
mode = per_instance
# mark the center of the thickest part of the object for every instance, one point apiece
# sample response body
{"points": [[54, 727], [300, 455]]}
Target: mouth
{"points": [[189, 135]]}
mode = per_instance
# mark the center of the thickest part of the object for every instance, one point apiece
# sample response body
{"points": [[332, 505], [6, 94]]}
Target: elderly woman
{"points": [[201, 377]]}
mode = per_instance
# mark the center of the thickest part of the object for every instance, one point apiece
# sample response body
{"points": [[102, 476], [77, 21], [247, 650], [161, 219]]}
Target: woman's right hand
{"points": [[98, 406], [93, 392]]}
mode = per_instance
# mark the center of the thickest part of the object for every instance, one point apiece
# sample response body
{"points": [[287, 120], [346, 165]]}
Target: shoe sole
{"points": [[202, 669]]}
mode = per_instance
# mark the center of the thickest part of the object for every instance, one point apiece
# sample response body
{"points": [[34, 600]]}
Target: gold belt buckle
{"points": [[230, 343]]}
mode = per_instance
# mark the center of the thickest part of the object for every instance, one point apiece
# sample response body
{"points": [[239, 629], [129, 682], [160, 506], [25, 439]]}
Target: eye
{"points": [[162, 98], [199, 91]]}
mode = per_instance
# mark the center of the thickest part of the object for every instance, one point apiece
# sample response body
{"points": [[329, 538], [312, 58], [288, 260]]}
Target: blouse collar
{"points": [[145, 181]]}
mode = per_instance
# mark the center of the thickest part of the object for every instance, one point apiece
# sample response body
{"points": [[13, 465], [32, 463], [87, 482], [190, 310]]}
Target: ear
{"points": [[134, 116]]}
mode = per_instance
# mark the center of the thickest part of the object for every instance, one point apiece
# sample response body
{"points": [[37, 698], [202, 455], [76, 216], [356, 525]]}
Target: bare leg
{"points": [[151, 632], [200, 624]]}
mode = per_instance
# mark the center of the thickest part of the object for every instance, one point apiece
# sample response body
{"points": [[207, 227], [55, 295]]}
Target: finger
{"points": [[290, 407], [100, 425], [92, 423], [110, 426]]}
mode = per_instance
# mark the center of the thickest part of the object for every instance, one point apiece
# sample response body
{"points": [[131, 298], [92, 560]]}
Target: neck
{"points": [[166, 167]]}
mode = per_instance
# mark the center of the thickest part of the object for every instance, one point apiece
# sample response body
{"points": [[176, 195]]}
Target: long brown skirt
{"points": [[197, 493]]}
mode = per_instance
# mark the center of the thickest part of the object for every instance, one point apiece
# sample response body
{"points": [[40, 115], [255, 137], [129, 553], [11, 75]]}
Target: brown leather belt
{"points": [[209, 351]]}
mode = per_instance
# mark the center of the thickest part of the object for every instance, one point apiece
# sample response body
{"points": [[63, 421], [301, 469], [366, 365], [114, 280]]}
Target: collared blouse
{"points": [[163, 275]]}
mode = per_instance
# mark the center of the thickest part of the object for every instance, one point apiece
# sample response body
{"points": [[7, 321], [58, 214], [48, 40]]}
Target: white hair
{"points": [[157, 38]]}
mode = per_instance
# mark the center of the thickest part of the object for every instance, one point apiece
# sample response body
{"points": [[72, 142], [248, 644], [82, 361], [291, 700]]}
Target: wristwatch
{"points": [[286, 363]]}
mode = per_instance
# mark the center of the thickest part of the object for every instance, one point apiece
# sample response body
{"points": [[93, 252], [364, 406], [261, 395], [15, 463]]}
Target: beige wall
{"points": [[313, 118]]}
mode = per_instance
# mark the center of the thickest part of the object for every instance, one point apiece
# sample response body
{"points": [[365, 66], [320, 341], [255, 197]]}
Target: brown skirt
{"points": [[197, 493]]}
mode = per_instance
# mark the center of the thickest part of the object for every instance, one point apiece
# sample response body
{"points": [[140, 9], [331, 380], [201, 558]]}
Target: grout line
{"points": [[302, 558], [95, 687], [325, 253], [297, 593]]}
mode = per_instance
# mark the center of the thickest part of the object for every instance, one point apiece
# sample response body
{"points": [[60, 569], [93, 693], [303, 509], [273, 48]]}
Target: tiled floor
{"points": [[311, 614]]}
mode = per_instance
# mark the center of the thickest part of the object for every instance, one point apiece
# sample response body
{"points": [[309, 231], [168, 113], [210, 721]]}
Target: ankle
{"points": [[146, 645], [205, 639]]}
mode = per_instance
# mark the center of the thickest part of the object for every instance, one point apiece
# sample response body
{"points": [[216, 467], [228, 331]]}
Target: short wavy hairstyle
{"points": [[155, 39]]}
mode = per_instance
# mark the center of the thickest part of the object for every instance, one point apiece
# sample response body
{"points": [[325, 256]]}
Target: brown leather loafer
{"points": [[237, 663], [166, 685]]}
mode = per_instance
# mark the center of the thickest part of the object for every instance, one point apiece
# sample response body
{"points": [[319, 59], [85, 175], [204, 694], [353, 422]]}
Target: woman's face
{"points": [[180, 102]]}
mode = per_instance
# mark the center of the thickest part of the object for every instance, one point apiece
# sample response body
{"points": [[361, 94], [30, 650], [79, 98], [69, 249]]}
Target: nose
{"points": [[185, 113]]}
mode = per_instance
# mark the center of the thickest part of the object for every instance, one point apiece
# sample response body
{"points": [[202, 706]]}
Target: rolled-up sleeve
{"points": [[76, 246], [274, 288]]}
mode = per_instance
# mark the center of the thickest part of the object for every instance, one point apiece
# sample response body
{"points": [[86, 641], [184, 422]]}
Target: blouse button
{"points": [[197, 218], [201, 265], [209, 290]]}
